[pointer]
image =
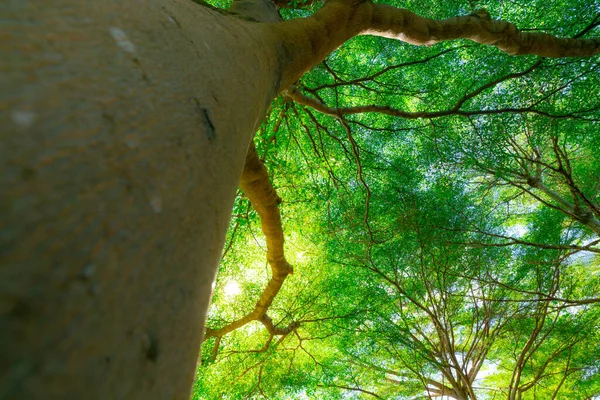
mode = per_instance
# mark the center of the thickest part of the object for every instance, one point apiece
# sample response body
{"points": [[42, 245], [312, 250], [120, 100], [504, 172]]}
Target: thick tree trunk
{"points": [[122, 146]]}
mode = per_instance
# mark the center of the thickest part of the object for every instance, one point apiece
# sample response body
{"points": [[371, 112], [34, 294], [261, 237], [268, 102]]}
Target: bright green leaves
{"points": [[471, 271]]}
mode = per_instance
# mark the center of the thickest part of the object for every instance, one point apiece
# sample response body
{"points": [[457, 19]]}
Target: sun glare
{"points": [[232, 289]]}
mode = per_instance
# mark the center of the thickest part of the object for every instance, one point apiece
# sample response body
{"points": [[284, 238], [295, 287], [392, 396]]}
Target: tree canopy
{"points": [[435, 223]]}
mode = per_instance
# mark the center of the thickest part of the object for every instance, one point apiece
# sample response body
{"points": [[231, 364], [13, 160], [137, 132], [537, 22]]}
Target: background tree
{"points": [[121, 160]]}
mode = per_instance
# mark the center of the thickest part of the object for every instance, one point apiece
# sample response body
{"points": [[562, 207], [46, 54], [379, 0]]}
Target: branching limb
{"points": [[257, 187], [314, 38], [511, 241], [457, 109], [294, 94], [404, 25]]}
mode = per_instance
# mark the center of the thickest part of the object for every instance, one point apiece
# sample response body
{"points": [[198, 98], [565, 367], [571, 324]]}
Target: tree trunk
{"points": [[122, 146]]}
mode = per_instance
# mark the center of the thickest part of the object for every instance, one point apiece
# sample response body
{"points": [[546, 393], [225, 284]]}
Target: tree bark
{"points": [[122, 146]]}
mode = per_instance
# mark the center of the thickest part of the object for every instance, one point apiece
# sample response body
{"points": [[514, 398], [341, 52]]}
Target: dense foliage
{"points": [[444, 239]]}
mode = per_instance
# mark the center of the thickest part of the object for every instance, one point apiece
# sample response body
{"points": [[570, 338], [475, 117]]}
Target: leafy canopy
{"points": [[451, 252]]}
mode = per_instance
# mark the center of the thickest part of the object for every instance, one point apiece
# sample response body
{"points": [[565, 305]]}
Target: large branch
{"points": [[307, 41], [257, 187], [479, 27]]}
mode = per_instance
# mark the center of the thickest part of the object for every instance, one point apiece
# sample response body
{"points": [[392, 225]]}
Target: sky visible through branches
{"points": [[440, 208]]}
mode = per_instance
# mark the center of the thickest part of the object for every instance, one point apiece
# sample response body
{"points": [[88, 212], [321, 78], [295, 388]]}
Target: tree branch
{"points": [[257, 187], [405, 25], [314, 38]]}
